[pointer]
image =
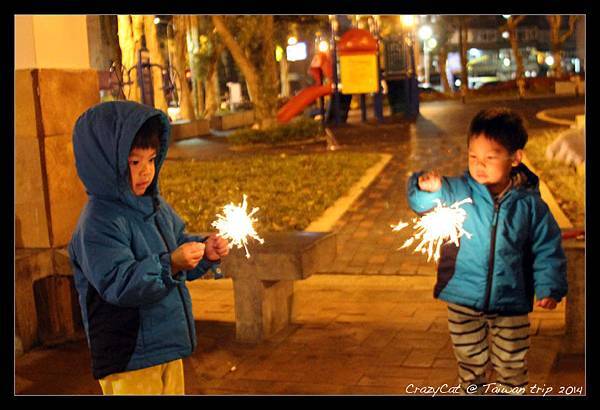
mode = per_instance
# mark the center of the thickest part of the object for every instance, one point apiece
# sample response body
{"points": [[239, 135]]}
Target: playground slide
{"points": [[300, 101]]}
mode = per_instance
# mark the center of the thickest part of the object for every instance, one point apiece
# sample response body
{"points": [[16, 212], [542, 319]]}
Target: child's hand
{"points": [[187, 256], [216, 247], [430, 181], [546, 303]]}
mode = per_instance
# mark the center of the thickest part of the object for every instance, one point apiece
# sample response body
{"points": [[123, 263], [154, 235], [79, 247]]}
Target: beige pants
{"points": [[164, 378], [505, 352]]}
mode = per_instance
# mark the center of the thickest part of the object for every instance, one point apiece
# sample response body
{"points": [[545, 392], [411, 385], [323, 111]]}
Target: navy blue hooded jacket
{"points": [[515, 250], [136, 313]]}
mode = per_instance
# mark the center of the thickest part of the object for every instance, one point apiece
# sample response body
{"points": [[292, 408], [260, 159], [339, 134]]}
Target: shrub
{"points": [[301, 128]]}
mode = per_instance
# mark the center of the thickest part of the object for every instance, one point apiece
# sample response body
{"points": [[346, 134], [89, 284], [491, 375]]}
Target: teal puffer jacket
{"points": [[136, 314], [515, 250]]}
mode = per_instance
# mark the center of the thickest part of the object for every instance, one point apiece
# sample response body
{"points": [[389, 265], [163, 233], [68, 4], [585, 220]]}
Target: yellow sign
{"points": [[358, 73]]}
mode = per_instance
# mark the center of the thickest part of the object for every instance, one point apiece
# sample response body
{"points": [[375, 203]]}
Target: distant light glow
{"points": [[407, 21], [323, 46], [425, 32], [549, 60], [292, 40], [431, 43], [505, 34], [475, 52], [296, 52], [156, 20], [506, 62]]}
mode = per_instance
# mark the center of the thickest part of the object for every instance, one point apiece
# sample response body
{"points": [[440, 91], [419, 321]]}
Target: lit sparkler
{"points": [[236, 225], [443, 223]]}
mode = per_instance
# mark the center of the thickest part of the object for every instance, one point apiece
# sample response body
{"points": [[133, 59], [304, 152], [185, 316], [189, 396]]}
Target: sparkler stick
{"points": [[441, 224], [236, 225]]}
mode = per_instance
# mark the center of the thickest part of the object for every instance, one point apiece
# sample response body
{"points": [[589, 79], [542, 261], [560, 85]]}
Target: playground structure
{"points": [[353, 68]]}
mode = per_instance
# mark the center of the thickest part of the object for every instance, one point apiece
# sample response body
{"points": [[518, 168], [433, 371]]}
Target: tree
{"points": [[156, 57], [463, 38], [129, 42], [253, 50], [511, 26], [180, 62], [445, 28], [557, 39]]}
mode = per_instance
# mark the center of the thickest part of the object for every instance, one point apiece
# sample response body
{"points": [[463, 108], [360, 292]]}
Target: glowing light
{"points": [[292, 40], [441, 225], [156, 20], [425, 32], [506, 16], [549, 60], [296, 52], [236, 225], [431, 43], [505, 34], [407, 20], [506, 61], [323, 46]]}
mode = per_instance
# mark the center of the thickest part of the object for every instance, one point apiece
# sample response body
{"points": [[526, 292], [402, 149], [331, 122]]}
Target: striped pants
{"points": [[469, 331]]}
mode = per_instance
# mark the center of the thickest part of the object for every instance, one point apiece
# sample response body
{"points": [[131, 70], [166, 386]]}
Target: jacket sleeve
{"points": [[549, 260], [423, 201], [205, 264], [108, 263]]}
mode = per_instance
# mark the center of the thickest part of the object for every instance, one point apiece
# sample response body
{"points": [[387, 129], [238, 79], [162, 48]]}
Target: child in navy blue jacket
{"points": [[515, 252], [130, 254]]}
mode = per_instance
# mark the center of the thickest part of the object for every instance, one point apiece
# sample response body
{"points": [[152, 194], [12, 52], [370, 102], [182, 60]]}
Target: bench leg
{"points": [[261, 307]]}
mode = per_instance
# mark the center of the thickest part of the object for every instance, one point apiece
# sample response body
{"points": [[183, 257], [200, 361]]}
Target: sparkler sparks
{"points": [[441, 224], [236, 225]]}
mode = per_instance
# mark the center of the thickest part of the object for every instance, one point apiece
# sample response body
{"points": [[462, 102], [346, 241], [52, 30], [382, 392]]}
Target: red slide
{"points": [[300, 101]]}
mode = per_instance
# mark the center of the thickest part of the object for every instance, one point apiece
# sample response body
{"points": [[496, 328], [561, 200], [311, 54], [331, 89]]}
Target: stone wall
{"points": [[48, 200]]}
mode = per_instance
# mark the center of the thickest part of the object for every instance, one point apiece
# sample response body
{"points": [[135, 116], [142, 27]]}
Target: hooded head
{"points": [[102, 140]]}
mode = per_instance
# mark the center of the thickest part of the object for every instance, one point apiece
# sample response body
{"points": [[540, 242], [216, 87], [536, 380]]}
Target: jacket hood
{"points": [[102, 139]]}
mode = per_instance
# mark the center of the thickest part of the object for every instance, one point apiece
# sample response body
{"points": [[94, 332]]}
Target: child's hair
{"points": [[501, 125], [148, 136]]}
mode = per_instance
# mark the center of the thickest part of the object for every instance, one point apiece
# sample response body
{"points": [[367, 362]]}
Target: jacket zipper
{"points": [[490, 274], [187, 317]]}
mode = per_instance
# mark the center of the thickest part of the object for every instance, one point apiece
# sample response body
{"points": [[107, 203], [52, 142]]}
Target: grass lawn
{"points": [[290, 190], [567, 186]]}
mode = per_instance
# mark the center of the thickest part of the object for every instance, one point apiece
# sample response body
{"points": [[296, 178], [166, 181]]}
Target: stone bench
{"points": [[263, 284]]}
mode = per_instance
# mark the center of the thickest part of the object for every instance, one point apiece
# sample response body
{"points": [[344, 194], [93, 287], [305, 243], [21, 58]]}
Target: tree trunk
{"points": [[180, 63], [212, 78], [137, 23], [443, 58], [270, 79], [110, 28], [197, 90], [128, 58], [283, 73], [156, 57], [260, 93], [557, 40], [514, 44], [555, 22]]}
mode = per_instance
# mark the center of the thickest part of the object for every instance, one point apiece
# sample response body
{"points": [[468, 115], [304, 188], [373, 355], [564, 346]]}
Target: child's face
{"points": [[141, 169], [490, 163]]}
